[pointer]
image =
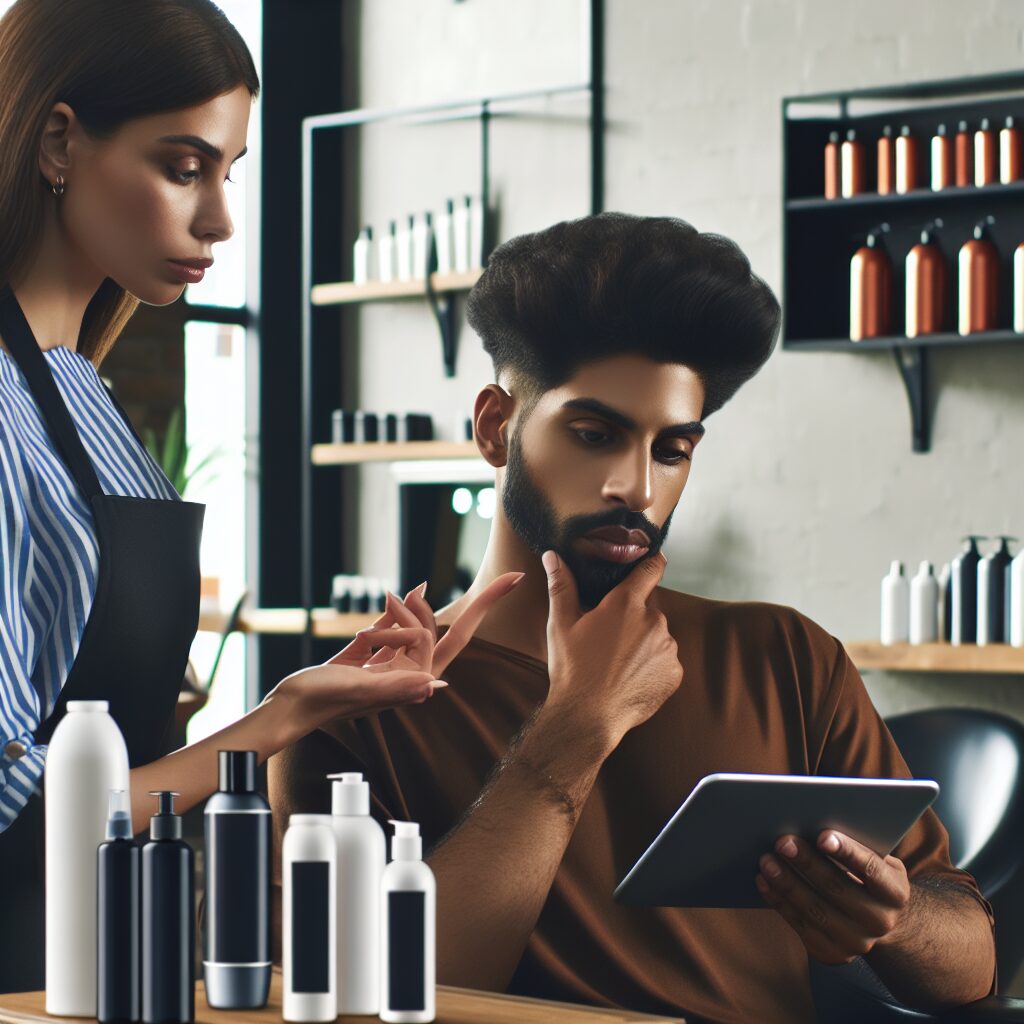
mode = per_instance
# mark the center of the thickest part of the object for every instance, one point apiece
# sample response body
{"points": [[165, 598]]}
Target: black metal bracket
{"points": [[912, 361], [442, 304]]}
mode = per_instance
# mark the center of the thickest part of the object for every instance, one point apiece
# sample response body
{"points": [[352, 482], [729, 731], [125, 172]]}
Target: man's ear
{"points": [[491, 415]]}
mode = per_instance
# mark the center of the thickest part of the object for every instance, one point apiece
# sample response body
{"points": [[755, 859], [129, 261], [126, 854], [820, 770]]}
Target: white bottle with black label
{"points": [[362, 856], [308, 951], [85, 760], [895, 606], [408, 931], [924, 606]]}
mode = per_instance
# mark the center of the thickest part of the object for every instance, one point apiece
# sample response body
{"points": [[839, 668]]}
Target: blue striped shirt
{"points": [[49, 552]]}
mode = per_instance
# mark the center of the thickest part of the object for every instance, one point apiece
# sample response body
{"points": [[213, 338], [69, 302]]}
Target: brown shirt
{"points": [[765, 690]]}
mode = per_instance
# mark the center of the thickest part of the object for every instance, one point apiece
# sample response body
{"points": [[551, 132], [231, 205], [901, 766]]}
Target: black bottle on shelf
{"points": [[964, 579], [118, 992], [168, 931], [236, 961]]}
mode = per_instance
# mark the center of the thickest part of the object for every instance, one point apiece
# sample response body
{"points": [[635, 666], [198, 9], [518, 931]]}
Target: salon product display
{"points": [[943, 162], [361, 858], [357, 426], [964, 588], [168, 919], [925, 285], [86, 759], [871, 288], [895, 606], [993, 588], [1015, 603], [908, 163], [978, 301], [408, 896], [357, 594], [118, 878], [236, 828], [362, 257], [924, 606], [308, 950]]}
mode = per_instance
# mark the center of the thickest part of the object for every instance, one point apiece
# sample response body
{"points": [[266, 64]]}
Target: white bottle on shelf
{"points": [[362, 257], [386, 252], [445, 234], [461, 229], [895, 606], [924, 606], [362, 856], [408, 895], [403, 249], [308, 951], [86, 758], [1016, 616], [421, 232]]}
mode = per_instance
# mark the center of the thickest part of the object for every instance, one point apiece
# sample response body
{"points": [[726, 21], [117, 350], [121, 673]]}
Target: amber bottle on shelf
{"points": [[832, 166], [979, 281], [853, 172], [963, 150], [870, 289], [1018, 289], [942, 159], [986, 163], [907, 161], [926, 285], [886, 162], [1009, 151]]}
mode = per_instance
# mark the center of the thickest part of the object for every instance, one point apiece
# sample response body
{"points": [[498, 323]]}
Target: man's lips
{"points": [[616, 543]]}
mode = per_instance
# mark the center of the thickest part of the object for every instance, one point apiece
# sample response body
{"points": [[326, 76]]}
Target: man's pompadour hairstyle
{"points": [[614, 283]]}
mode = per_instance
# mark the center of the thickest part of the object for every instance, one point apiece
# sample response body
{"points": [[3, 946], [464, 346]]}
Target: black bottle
{"points": [[964, 579], [117, 891], [168, 919], [236, 960]]}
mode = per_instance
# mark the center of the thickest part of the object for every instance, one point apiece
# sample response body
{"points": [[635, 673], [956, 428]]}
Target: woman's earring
{"points": [[58, 188]]}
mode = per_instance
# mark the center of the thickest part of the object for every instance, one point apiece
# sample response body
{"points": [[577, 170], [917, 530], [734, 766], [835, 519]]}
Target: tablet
{"points": [[708, 853]]}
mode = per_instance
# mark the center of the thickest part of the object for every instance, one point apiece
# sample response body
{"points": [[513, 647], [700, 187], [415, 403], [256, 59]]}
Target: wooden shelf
{"points": [[290, 621], [970, 658], [945, 340], [346, 292], [392, 451]]}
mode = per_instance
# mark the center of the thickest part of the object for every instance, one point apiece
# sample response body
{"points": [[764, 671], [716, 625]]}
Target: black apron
{"points": [[133, 652]]}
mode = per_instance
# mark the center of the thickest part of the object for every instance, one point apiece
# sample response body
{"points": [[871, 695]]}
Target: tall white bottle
{"points": [[462, 231], [895, 606], [362, 856], [308, 950], [408, 895], [445, 234], [86, 758], [924, 606], [1016, 636]]}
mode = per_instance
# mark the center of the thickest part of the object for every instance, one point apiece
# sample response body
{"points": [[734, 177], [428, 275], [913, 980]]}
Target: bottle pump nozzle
{"points": [[349, 793], [119, 818], [981, 228], [406, 843], [165, 824]]}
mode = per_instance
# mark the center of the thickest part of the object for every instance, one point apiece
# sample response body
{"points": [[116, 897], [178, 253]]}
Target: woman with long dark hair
{"points": [[119, 123]]}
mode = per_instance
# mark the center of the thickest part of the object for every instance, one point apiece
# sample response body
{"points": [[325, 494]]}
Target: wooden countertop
{"points": [[454, 1006]]}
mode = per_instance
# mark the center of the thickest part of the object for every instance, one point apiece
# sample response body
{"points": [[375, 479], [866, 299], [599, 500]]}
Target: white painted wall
{"points": [[805, 486]]}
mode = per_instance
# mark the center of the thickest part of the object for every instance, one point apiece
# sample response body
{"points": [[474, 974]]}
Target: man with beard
{"points": [[565, 740]]}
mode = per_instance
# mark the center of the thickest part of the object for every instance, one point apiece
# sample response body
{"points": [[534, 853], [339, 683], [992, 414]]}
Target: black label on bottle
{"points": [[238, 870], [406, 951], [310, 926]]}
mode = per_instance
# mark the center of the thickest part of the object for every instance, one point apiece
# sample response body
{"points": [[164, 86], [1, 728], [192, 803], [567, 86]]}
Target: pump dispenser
{"points": [[118, 993], [168, 933], [926, 284], [979, 281], [870, 289], [408, 915], [964, 573], [992, 571]]}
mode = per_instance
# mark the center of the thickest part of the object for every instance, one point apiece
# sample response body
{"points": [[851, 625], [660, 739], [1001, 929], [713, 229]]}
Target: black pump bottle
{"points": [[168, 919]]}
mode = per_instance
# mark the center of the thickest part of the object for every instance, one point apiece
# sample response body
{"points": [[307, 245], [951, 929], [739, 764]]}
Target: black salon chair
{"points": [[977, 757]]}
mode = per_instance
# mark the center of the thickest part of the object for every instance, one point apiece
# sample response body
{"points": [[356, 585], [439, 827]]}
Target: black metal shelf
{"points": [[889, 343], [953, 194]]}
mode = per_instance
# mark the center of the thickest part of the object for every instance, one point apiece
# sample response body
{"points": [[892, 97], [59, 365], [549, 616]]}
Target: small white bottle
{"points": [[924, 606], [421, 231], [308, 950], [408, 931], [403, 249], [463, 241], [945, 609], [445, 234], [386, 252], [477, 218], [362, 257], [1016, 616], [86, 758], [895, 606], [362, 855]]}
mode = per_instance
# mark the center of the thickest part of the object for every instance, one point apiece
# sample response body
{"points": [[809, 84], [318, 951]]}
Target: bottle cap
{"points": [[165, 824], [851, 135], [984, 124], [350, 795], [1011, 122], [237, 770], [887, 131], [406, 843], [369, 233], [88, 705], [450, 205], [119, 817], [832, 137], [940, 130], [905, 130], [925, 569], [896, 568], [392, 227]]}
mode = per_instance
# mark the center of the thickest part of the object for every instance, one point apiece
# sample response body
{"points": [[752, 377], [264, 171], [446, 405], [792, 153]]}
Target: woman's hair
{"points": [[110, 61], [614, 283]]}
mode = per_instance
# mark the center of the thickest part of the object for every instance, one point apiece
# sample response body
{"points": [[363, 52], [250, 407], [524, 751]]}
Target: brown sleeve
{"points": [[858, 743]]}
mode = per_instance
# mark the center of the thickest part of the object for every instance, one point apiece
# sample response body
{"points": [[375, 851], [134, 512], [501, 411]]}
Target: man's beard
{"points": [[530, 514]]}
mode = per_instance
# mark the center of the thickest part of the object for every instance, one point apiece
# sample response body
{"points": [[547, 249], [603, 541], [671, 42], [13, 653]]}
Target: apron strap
{"points": [[25, 350]]}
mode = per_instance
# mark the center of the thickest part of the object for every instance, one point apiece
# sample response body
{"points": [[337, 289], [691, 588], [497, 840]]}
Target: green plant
{"points": [[173, 457]]}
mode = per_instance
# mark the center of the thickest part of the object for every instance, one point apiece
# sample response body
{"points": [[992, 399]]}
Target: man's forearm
{"points": [[495, 868], [944, 952]]}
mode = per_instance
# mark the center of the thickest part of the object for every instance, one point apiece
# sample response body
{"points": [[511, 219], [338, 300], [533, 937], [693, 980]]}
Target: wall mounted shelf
{"points": [[391, 451], [346, 292], [326, 622], [990, 659], [821, 235]]}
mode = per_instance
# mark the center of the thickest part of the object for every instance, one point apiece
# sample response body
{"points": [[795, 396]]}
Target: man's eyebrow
{"points": [[202, 145], [599, 408]]}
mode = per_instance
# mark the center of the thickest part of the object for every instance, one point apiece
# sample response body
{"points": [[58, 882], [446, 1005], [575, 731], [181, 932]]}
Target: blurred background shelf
{"points": [[990, 659], [290, 621], [392, 451], [345, 292]]}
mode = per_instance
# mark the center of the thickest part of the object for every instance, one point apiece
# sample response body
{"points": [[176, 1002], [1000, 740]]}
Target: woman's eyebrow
{"points": [[202, 145]]}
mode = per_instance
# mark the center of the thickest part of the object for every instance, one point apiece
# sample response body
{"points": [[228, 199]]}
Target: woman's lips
{"points": [[612, 551]]}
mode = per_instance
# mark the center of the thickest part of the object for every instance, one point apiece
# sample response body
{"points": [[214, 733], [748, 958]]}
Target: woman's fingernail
{"points": [[519, 579], [421, 589], [438, 684]]}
